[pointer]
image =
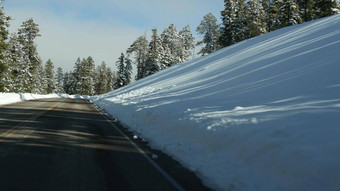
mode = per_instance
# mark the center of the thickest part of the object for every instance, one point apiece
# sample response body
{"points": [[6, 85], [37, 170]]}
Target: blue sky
{"points": [[102, 28]]}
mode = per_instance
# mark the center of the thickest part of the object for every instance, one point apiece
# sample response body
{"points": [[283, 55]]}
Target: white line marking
{"points": [[155, 165]]}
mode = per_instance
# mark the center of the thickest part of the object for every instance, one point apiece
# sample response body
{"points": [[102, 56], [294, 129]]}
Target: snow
{"points": [[8, 98], [262, 114]]}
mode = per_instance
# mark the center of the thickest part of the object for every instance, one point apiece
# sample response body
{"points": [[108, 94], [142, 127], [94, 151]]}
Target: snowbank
{"points": [[263, 114], [7, 98]]}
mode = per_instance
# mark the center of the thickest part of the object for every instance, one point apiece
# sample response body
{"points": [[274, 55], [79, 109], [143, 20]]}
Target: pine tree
{"points": [[171, 47], [140, 48], [70, 83], [271, 8], [27, 34], [18, 73], [120, 81], [127, 70], [40, 85], [4, 24], [307, 9], [59, 81], [154, 55], [256, 18], [102, 80], [288, 14], [187, 43], [210, 31], [13, 59], [87, 82], [77, 79], [325, 8], [111, 78], [234, 24], [49, 76]]}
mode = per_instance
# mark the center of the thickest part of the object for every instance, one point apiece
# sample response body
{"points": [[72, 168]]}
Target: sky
{"points": [[102, 29]]}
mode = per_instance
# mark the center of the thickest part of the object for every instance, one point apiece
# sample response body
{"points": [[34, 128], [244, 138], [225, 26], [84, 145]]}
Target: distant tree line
{"points": [[22, 70]]}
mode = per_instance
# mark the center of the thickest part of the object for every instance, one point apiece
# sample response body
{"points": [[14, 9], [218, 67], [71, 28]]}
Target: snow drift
{"points": [[263, 114], [8, 98]]}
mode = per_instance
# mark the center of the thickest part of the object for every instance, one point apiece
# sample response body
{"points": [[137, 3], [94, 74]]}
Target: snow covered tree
{"points": [[120, 81], [127, 70], [271, 8], [256, 18], [140, 48], [40, 85], [288, 14], [4, 24], [234, 24], [307, 9], [111, 78], [70, 82], [83, 75], [27, 34], [18, 74], [325, 8], [187, 43], [87, 87], [152, 64], [171, 47], [210, 31], [59, 81], [101, 79], [49, 76]]}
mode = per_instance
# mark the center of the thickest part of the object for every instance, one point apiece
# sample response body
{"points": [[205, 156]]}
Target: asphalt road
{"points": [[67, 144]]}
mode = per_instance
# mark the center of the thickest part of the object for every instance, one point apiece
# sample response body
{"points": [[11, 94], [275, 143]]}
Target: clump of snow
{"points": [[262, 114]]}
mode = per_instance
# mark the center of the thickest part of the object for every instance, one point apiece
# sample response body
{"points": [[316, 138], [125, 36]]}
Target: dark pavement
{"points": [[66, 144]]}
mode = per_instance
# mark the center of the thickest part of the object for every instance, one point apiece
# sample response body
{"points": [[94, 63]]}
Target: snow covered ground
{"points": [[263, 114], [7, 98]]}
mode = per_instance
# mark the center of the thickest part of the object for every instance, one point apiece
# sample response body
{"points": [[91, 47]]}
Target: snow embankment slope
{"points": [[263, 114], [8, 98]]}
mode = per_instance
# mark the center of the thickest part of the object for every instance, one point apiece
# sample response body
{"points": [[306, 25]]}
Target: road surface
{"points": [[67, 144]]}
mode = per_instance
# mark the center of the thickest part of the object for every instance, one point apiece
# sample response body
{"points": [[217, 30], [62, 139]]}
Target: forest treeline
{"points": [[22, 70]]}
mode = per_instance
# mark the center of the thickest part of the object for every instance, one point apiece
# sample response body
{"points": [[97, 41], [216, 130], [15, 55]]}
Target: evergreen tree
{"points": [[210, 31], [171, 47], [120, 81], [60, 81], [140, 48], [111, 78], [76, 77], [87, 82], [256, 18], [4, 24], [102, 80], [307, 9], [187, 43], [12, 59], [49, 76], [325, 8], [27, 34], [288, 14], [271, 8], [234, 24], [40, 85], [18, 73], [155, 50], [127, 70], [70, 83]]}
